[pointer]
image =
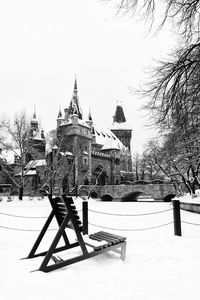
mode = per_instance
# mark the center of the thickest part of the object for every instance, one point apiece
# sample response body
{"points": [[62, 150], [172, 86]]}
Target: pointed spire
{"points": [[34, 121], [59, 113], [75, 84], [74, 107], [89, 116], [34, 113]]}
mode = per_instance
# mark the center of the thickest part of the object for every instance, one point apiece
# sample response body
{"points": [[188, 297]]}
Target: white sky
{"points": [[45, 43]]}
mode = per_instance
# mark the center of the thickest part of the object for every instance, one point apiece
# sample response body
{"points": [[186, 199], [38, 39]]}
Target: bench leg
{"points": [[123, 251]]}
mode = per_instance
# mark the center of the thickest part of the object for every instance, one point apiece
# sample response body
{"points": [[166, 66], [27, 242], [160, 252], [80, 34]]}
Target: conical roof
{"points": [[119, 120], [34, 122], [119, 116], [74, 107]]}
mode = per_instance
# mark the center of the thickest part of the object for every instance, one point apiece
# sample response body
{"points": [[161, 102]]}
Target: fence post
{"points": [[177, 217], [85, 216]]}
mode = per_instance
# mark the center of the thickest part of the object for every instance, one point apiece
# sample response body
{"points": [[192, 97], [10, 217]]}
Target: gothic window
{"points": [[69, 161], [85, 160], [117, 161]]}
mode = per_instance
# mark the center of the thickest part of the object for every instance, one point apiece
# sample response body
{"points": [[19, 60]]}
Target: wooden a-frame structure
{"points": [[64, 210]]}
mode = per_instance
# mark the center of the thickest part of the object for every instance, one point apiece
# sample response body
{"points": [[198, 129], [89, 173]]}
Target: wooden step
{"points": [[94, 244], [119, 237], [107, 238], [97, 238]]}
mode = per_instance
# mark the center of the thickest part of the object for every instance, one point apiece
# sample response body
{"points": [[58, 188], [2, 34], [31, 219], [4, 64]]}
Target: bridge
{"points": [[131, 192]]}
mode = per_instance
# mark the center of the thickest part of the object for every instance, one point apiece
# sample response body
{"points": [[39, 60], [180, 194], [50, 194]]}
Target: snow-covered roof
{"points": [[55, 147], [80, 122], [66, 153], [108, 139], [111, 144], [37, 135], [121, 126], [28, 173], [85, 153], [36, 163]]}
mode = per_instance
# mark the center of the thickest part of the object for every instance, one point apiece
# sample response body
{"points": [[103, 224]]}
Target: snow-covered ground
{"points": [[158, 264]]}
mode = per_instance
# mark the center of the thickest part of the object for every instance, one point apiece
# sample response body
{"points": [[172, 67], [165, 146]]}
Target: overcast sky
{"points": [[44, 43]]}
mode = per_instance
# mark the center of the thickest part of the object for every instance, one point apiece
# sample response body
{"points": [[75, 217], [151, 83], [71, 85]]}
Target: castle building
{"points": [[84, 153], [96, 156]]}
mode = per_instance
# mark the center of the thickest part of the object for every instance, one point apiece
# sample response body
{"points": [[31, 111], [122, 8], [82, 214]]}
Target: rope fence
{"points": [[22, 229], [136, 229], [176, 219], [25, 217], [190, 223], [129, 215]]}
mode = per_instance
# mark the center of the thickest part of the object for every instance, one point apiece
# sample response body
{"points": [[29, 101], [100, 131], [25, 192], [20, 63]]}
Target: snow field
{"points": [[158, 264]]}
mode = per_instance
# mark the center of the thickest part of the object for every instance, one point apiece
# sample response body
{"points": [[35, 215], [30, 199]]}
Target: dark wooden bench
{"points": [[64, 210]]}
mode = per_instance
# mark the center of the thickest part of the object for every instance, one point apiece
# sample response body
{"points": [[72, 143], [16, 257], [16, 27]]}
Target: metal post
{"points": [[177, 217], [85, 217]]}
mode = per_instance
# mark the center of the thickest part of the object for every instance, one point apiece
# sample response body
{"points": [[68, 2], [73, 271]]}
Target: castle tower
{"points": [[37, 143], [76, 137], [34, 124], [60, 118], [120, 127]]}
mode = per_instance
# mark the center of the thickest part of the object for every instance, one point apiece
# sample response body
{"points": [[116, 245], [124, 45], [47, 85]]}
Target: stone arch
{"points": [[94, 195], [169, 197], [106, 197], [133, 196]]}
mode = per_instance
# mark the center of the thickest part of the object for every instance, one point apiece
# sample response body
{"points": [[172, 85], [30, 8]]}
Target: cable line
{"points": [[18, 216], [129, 215], [21, 229], [26, 217], [139, 229], [196, 224]]}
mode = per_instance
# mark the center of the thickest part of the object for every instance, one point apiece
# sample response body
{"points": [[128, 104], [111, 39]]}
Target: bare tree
{"points": [[51, 139], [184, 14], [173, 92], [59, 168], [15, 137], [176, 163]]}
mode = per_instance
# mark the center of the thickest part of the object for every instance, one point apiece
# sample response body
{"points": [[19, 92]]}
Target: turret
{"points": [[34, 124], [90, 124], [60, 118]]}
